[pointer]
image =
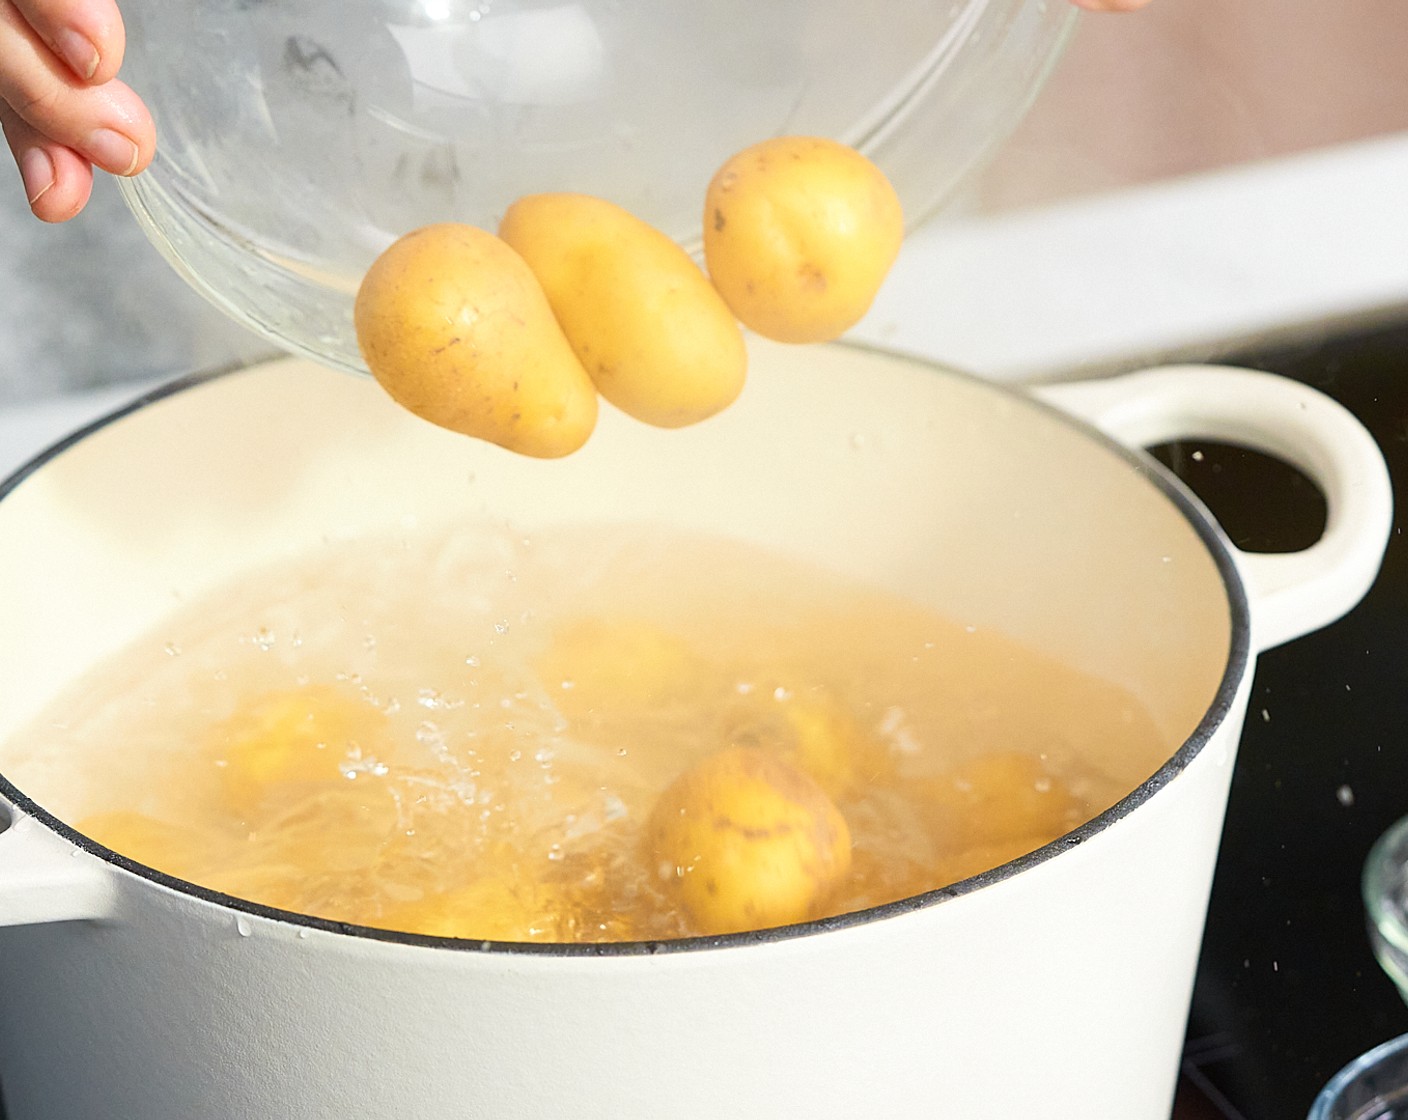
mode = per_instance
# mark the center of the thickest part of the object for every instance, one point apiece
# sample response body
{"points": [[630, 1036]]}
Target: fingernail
{"points": [[37, 171], [112, 151], [79, 53]]}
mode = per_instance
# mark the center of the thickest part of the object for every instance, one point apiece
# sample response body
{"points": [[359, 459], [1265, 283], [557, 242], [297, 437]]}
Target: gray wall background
{"points": [[90, 302]]}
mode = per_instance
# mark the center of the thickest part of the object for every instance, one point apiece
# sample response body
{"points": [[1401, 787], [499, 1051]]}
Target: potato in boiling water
{"points": [[313, 734], [182, 850], [597, 662], [744, 840], [491, 908], [994, 798], [830, 744]]}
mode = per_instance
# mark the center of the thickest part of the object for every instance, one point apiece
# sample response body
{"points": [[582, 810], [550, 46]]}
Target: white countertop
{"points": [[1185, 267], [1193, 265]]}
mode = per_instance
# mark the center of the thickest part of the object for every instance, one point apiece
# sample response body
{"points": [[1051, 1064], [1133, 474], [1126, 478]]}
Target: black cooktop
{"points": [[1288, 990]]}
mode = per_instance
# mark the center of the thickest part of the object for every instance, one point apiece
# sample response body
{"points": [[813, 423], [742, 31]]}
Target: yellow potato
{"points": [[652, 332], [799, 233], [830, 745], [456, 328], [597, 662], [296, 737], [985, 857], [279, 885], [746, 841], [488, 909], [178, 850], [999, 799]]}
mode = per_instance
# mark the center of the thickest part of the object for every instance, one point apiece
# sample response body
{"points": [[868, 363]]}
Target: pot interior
{"points": [[974, 501]]}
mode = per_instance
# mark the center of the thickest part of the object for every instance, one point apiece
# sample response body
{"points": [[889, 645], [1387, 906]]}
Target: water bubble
{"points": [[303, 933], [472, 661], [428, 734], [434, 699], [501, 627], [781, 695], [264, 639], [171, 649], [242, 927], [356, 765]]}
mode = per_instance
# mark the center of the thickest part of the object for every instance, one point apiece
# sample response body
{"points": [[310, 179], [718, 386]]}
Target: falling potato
{"points": [[652, 333], [799, 234], [456, 328]]}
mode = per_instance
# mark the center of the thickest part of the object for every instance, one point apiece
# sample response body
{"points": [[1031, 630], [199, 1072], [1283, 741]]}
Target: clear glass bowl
{"points": [[1372, 1087], [1385, 888], [297, 138]]}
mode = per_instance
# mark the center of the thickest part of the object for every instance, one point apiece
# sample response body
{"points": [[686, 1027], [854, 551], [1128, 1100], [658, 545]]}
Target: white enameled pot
{"points": [[1054, 987]]}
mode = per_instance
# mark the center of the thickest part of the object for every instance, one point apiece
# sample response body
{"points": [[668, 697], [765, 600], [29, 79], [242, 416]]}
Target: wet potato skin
{"points": [[747, 841]]}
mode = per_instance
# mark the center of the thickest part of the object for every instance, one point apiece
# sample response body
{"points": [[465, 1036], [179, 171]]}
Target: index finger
{"points": [[87, 35]]}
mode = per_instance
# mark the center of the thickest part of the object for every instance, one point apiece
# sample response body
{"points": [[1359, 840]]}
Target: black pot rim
{"points": [[1238, 663]]}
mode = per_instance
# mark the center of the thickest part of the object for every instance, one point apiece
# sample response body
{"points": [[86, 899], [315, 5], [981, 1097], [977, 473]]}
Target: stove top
{"points": [[1288, 990]]}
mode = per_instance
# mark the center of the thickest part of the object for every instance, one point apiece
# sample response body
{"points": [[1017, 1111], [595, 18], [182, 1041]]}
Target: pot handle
{"points": [[44, 878], [1290, 593]]}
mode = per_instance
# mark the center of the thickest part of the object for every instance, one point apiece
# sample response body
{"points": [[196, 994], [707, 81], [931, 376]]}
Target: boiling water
{"points": [[464, 734]]}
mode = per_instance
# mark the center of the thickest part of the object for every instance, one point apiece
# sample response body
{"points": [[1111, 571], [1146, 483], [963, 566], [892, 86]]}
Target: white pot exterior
{"points": [[1055, 987]]}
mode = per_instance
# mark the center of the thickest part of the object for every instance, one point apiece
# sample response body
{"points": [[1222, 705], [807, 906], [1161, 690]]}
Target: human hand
{"points": [[61, 107]]}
